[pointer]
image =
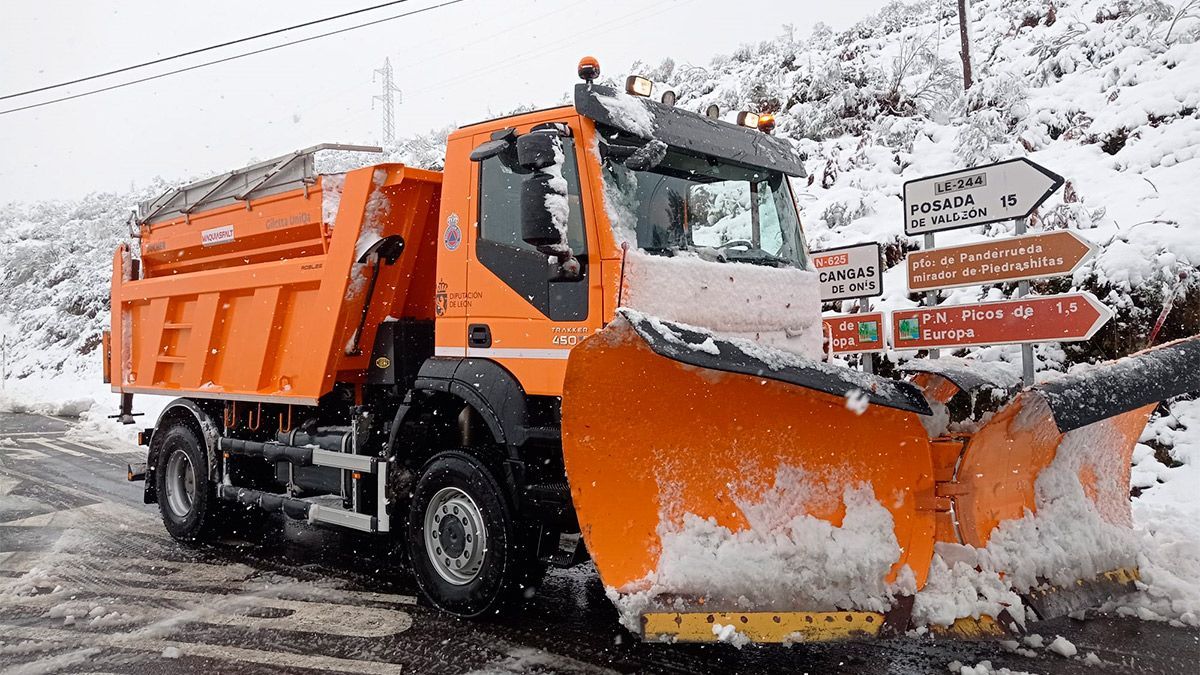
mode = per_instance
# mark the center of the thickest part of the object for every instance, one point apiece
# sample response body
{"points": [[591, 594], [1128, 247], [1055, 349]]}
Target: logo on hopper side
{"points": [[217, 235], [440, 298], [453, 236]]}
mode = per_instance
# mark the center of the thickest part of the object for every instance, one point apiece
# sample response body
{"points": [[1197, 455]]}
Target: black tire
{"points": [[506, 570], [192, 517]]}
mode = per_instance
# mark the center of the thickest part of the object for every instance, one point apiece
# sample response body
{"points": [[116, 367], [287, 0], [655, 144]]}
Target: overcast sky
{"points": [[457, 64]]}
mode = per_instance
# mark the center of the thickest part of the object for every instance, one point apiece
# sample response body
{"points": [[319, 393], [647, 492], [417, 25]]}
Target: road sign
{"points": [[1033, 256], [850, 271], [1045, 318], [854, 333], [1003, 191]]}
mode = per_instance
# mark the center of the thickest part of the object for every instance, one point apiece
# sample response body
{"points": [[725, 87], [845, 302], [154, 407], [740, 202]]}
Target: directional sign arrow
{"points": [[987, 194], [1033, 256], [1045, 318], [852, 333]]}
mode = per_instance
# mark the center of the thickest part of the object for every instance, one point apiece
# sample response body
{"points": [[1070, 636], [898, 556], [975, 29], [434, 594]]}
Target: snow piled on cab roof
{"points": [[630, 113]]}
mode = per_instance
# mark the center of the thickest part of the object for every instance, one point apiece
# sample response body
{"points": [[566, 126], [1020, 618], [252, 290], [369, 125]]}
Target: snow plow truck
{"points": [[596, 335]]}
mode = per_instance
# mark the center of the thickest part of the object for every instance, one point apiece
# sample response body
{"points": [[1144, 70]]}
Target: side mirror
{"points": [[537, 223], [489, 149], [536, 150]]}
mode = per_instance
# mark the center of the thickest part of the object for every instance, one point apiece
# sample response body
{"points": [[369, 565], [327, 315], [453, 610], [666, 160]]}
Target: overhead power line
{"points": [[201, 50], [229, 58]]}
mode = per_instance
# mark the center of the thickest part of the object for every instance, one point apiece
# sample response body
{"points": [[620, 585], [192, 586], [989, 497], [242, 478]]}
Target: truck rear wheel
{"points": [[186, 498], [469, 554]]}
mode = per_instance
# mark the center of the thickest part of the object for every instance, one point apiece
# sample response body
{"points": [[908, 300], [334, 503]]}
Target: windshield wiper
{"points": [[756, 256]]}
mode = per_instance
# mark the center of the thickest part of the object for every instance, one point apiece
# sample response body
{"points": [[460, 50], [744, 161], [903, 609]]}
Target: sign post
{"points": [[931, 296], [1008, 190], [1026, 349], [849, 272]]}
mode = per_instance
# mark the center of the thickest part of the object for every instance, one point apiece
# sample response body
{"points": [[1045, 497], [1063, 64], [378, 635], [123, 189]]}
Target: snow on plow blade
{"points": [[1044, 484], [722, 488]]}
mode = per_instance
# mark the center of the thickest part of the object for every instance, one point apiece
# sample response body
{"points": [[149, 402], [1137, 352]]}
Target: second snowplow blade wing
{"points": [[699, 469], [1046, 480], [1119, 386], [1104, 408]]}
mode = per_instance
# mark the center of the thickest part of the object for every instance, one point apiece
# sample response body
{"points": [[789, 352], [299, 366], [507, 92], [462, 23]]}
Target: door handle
{"points": [[479, 335]]}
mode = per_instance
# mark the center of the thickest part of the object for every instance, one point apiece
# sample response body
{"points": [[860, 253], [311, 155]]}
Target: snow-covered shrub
{"points": [[990, 112]]}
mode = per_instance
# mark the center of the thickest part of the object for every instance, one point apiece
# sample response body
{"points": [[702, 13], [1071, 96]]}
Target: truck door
{"points": [[524, 314]]}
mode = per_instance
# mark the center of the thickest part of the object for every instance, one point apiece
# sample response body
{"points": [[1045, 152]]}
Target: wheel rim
{"points": [[455, 536], [180, 483]]}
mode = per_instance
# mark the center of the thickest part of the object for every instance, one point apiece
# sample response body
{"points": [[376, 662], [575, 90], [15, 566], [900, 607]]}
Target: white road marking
{"points": [[21, 453], [33, 433], [136, 641], [89, 517], [228, 610], [223, 578], [66, 451], [107, 451]]}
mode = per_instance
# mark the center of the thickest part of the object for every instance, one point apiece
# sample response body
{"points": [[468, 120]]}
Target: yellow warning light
{"points": [[589, 68]]}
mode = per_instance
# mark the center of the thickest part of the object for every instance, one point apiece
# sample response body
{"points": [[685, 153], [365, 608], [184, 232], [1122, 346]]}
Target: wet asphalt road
{"points": [[90, 582]]}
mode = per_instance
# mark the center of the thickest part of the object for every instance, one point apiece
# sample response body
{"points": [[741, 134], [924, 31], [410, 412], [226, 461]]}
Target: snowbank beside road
{"points": [[84, 397]]}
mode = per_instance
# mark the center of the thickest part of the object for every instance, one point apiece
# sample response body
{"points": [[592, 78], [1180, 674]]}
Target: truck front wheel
{"points": [[468, 553]]}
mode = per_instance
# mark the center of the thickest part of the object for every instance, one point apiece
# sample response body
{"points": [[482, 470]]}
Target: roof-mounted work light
{"points": [[747, 119], [638, 86], [669, 97], [713, 111]]}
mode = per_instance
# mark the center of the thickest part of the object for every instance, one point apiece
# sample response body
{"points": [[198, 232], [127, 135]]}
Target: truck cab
{"points": [[670, 183]]}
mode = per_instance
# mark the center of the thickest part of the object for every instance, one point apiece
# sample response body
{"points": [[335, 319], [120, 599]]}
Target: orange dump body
{"points": [[260, 299]]}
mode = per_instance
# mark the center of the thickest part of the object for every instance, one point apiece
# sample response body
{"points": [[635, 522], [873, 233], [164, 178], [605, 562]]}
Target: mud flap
{"points": [[663, 425]]}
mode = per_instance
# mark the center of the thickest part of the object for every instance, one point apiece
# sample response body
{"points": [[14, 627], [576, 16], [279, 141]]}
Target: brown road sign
{"points": [[855, 333], [1040, 318], [1032, 256]]}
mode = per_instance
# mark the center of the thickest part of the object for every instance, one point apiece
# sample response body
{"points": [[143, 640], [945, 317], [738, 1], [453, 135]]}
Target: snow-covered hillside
{"points": [[1105, 92]]}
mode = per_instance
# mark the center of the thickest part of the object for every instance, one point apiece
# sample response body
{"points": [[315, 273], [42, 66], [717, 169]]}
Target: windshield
{"points": [[703, 204]]}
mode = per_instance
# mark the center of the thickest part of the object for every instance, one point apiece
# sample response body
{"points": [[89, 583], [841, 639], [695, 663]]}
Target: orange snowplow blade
{"points": [[663, 427], [1003, 460], [1063, 446], [1102, 410], [726, 491]]}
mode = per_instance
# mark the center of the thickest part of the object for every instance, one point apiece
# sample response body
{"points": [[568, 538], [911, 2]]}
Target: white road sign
{"points": [[986, 194], [850, 271]]}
